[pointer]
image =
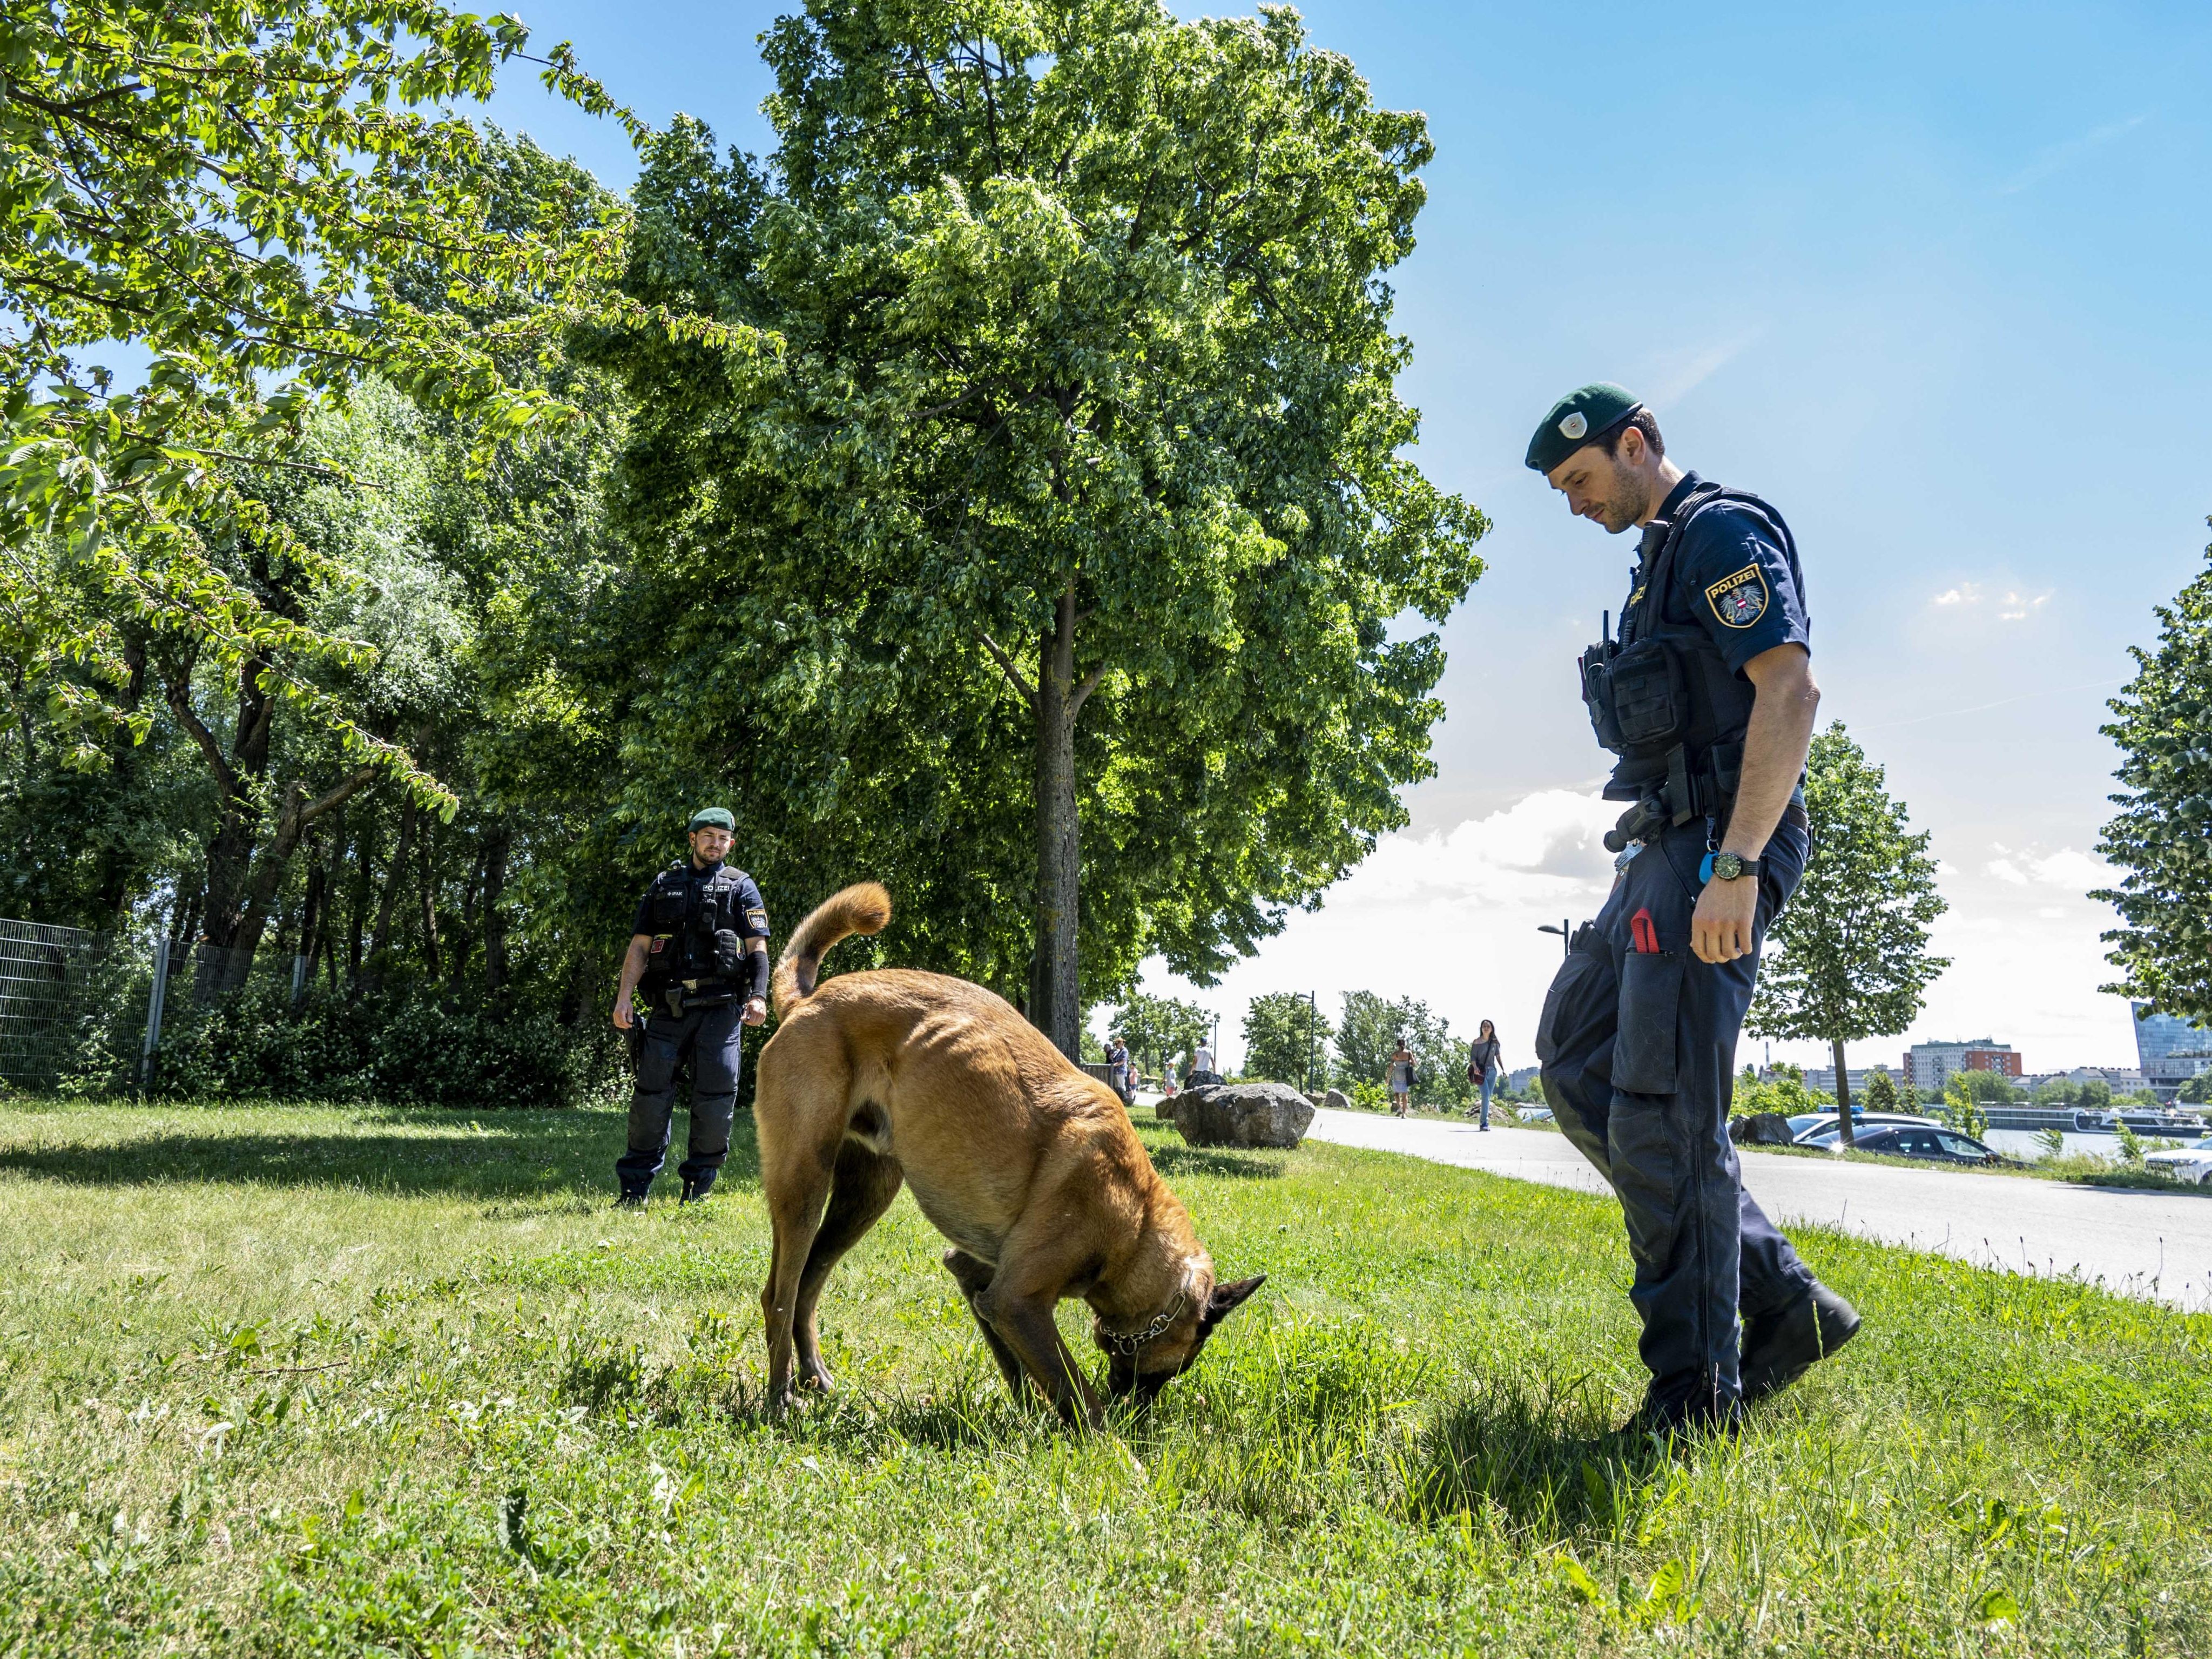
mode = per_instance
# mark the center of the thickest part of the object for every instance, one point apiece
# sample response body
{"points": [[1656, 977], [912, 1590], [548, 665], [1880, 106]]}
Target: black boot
{"points": [[696, 1188], [633, 1197], [1780, 1348]]}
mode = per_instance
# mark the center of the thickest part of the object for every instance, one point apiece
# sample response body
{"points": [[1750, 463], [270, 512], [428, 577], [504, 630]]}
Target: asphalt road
{"points": [[2139, 1243]]}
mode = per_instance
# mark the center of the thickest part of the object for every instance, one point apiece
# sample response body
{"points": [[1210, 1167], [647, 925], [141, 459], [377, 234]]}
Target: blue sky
{"points": [[1929, 278]]}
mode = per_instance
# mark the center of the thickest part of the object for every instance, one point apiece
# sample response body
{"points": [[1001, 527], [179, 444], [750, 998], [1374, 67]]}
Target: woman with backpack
{"points": [[1483, 1067]]}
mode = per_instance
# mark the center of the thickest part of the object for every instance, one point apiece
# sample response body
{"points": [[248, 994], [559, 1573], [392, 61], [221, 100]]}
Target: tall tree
{"points": [[1285, 1039], [1082, 436], [1850, 952], [2162, 836]]}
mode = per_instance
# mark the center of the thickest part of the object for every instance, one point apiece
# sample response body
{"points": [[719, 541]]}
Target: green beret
{"points": [[714, 817], [1583, 416]]}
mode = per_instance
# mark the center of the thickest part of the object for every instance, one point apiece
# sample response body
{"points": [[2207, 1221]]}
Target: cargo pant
{"points": [[712, 1037], [1638, 1056]]}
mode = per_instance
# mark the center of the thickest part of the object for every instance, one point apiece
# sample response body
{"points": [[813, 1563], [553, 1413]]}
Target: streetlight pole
{"points": [[1566, 934]]}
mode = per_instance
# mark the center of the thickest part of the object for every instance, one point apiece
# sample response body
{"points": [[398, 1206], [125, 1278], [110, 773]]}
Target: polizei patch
{"points": [[1738, 600]]}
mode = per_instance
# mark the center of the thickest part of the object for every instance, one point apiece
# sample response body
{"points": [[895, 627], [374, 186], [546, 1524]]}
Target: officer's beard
{"points": [[1622, 506]]}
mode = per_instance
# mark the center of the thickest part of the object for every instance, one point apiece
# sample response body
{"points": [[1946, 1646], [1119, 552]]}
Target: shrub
{"points": [[416, 1045]]}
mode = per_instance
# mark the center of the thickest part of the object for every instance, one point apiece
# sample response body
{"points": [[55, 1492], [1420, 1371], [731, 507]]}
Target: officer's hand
{"points": [[622, 1015], [1720, 928], [756, 1011]]}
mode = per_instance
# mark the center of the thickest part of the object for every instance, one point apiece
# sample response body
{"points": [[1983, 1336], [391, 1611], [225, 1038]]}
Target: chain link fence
{"points": [[80, 1009]]}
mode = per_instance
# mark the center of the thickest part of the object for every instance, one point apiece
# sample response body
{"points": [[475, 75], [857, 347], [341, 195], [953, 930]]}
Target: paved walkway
{"points": [[2141, 1244]]}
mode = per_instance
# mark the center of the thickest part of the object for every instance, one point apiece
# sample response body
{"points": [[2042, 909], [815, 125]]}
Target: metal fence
{"points": [[47, 976], [78, 1007]]}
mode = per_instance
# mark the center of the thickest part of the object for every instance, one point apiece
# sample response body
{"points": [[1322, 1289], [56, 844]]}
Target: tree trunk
{"points": [[293, 822], [1843, 1094], [1055, 1002], [495, 919], [239, 774], [120, 864], [429, 893], [381, 936]]}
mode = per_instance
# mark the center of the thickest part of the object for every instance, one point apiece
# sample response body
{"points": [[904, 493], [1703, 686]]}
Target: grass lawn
{"points": [[297, 1381]]}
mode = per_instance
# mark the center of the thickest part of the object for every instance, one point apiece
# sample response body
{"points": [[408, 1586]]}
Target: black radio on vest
{"points": [[1663, 698]]}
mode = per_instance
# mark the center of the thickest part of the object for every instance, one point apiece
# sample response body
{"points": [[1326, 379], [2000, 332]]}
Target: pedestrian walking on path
{"points": [[1482, 1067], [1401, 1073]]}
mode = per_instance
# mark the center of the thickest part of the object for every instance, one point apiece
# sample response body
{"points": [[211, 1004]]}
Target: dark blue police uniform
{"points": [[1637, 1036], [697, 976]]}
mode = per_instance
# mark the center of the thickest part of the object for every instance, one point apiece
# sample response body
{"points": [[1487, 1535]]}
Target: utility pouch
{"points": [[667, 911], [1597, 696], [1648, 694], [1643, 1053], [729, 952]]}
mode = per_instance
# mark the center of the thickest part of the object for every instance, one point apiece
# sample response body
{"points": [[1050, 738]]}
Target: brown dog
{"points": [[1027, 1165]]}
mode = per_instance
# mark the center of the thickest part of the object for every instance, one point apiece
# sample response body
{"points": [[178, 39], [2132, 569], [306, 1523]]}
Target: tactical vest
{"points": [[699, 931], [1663, 698]]}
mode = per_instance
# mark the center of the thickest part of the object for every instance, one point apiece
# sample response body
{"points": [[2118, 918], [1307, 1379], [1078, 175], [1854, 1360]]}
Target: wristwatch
{"points": [[1727, 866]]}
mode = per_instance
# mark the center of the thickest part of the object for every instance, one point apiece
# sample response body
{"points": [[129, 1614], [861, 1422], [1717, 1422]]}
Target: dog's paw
{"points": [[816, 1376]]}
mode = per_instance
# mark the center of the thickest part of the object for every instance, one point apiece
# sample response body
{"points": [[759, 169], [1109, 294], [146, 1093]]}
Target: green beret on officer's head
{"points": [[1584, 415], [714, 817]]}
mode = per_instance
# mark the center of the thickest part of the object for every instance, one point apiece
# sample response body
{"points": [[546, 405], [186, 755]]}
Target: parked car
{"points": [[1930, 1141], [2192, 1162], [1819, 1131]]}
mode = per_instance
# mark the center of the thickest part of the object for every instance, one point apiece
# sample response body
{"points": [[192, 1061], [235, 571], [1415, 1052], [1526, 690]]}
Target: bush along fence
{"points": [[133, 1011]]}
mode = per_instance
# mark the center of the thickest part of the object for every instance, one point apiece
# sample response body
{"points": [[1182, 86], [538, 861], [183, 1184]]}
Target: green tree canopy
{"points": [[2162, 835], [1851, 957], [1077, 501], [270, 202], [1368, 1035], [1882, 1094], [1161, 1030], [1285, 1040]]}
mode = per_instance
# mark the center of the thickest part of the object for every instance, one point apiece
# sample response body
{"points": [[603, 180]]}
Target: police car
{"points": [[2192, 1164]]}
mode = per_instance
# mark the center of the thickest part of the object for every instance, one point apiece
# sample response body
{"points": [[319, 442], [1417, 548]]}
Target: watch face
{"points": [[1728, 866]]}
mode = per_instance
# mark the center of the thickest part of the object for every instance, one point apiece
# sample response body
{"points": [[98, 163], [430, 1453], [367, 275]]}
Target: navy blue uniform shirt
{"points": [[753, 918], [1736, 575]]}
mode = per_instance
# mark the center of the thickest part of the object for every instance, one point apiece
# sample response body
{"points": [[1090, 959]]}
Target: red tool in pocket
{"points": [[1645, 935]]}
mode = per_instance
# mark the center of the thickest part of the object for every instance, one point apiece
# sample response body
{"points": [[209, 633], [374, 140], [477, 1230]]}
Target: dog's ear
{"points": [[1227, 1299]]}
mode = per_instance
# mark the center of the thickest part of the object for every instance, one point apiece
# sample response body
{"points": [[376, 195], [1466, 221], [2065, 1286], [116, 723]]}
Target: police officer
{"points": [[699, 951], [1705, 697]]}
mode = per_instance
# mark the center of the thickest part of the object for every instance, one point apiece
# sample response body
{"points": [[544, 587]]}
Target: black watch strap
{"points": [[1744, 866]]}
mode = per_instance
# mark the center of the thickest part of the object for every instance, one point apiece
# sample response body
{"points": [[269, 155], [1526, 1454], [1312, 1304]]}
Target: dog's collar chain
{"points": [[1128, 1342]]}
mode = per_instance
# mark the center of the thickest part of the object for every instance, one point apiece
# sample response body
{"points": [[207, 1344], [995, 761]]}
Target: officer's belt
{"points": [[689, 994]]}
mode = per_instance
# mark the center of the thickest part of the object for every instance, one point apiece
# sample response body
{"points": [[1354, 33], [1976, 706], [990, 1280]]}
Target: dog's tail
{"points": [[863, 908]]}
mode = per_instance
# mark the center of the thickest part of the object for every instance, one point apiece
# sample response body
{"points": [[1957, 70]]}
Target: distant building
{"points": [[2123, 1079], [1823, 1078], [1929, 1065], [2169, 1049]]}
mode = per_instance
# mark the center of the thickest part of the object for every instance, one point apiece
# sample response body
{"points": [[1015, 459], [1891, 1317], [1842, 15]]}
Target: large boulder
{"points": [[1337, 1101], [1760, 1129], [1243, 1115]]}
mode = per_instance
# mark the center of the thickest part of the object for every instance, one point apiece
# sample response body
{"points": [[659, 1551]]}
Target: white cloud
{"points": [[2055, 156], [2010, 605], [2006, 869], [2068, 868], [1677, 373]]}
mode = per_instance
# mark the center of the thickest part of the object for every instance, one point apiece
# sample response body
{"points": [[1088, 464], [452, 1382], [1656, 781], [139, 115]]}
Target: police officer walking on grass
{"points": [[1706, 698], [698, 952]]}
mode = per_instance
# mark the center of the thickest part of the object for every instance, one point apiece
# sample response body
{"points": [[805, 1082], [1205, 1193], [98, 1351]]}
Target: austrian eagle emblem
{"points": [[1738, 600]]}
